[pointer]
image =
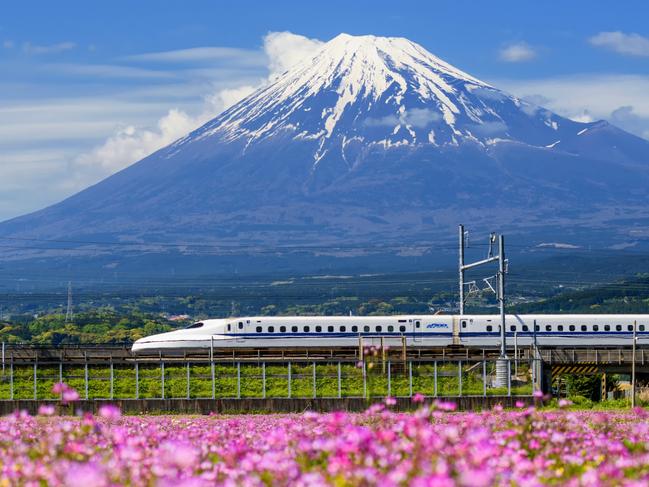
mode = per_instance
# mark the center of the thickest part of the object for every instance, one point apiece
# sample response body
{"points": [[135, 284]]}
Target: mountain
{"points": [[372, 142]]}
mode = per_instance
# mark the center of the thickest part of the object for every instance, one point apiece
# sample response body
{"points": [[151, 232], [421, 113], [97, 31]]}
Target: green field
{"points": [[299, 380]]}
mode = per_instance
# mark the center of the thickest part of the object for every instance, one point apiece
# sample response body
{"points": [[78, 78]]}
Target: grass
{"points": [[451, 381]]}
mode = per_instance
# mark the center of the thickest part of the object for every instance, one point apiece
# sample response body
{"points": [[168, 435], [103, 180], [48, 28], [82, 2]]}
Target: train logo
{"points": [[437, 325]]}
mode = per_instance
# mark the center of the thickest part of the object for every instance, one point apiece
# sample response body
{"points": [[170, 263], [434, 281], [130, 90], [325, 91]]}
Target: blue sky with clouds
{"points": [[87, 88]]}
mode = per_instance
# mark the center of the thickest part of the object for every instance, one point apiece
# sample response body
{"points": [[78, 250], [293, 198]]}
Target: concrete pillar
{"points": [[339, 381], [435, 378], [137, 380]]}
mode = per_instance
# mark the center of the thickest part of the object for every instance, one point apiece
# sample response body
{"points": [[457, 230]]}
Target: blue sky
{"points": [[87, 88]]}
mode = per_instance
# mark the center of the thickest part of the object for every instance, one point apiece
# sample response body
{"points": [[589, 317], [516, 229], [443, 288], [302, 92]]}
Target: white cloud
{"points": [[414, 117], [208, 53], [49, 49], [8, 44], [285, 50], [517, 52], [587, 98], [622, 43], [130, 144], [106, 71]]}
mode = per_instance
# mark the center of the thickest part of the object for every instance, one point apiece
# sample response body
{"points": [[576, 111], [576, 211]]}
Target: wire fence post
{"points": [[410, 378], [364, 380], [112, 376], [188, 379], [389, 379], [435, 378], [263, 380], [340, 388], [162, 379], [213, 373], [459, 377], [314, 382], [238, 380], [61, 371], [509, 377], [85, 375], [35, 386], [484, 378], [137, 380], [289, 379], [11, 378]]}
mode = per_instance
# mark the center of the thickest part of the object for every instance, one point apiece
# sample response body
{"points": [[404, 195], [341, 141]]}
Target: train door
{"points": [[240, 330], [416, 329]]}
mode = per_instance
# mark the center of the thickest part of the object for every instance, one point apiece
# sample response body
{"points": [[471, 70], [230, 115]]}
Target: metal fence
{"points": [[187, 379]]}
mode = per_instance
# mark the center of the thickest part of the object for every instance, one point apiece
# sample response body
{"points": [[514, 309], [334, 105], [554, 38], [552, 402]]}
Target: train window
{"points": [[417, 324], [390, 328], [343, 329], [490, 328], [618, 327], [463, 323], [330, 328], [571, 327], [548, 327], [307, 329], [607, 327], [512, 328], [402, 328], [630, 327], [560, 327], [354, 328], [271, 329], [282, 329], [525, 328], [229, 327], [195, 325], [294, 329], [366, 328], [240, 325], [379, 329], [318, 329], [259, 329], [402, 321], [641, 327], [595, 327], [584, 328]]}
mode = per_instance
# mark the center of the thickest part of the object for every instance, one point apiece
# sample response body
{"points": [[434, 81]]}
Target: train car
{"points": [[414, 330]]}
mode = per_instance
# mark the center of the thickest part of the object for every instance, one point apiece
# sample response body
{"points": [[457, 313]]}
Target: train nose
{"points": [[141, 345]]}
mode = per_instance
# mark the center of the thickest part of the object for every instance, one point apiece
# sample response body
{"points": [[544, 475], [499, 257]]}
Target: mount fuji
{"points": [[372, 141]]}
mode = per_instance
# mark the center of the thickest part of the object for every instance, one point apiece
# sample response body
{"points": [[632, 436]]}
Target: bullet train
{"points": [[415, 330]]}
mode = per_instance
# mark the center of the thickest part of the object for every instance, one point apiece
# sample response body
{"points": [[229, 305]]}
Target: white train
{"points": [[416, 330]]}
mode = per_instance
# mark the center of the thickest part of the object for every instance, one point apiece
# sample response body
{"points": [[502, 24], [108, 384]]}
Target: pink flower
{"points": [[179, 454], [418, 398], [46, 410], [564, 403], [390, 401], [85, 475], [538, 394], [59, 387], [519, 404], [110, 412], [69, 395]]}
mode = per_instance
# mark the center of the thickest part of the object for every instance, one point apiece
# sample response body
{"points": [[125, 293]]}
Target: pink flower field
{"points": [[432, 446]]}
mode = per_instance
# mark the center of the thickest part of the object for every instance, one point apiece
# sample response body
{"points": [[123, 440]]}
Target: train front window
{"points": [[194, 325]]}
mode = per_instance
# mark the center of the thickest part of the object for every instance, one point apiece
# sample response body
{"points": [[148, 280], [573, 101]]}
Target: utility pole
{"points": [[68, 312], [461, 267], [633, 365], [502, 364]]}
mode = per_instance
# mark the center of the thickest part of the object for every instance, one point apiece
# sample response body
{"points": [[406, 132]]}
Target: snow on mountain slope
{"points": [[384, 91]]}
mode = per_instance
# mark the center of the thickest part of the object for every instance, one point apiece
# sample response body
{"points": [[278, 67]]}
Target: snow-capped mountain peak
{"points": [[385, 91]]}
